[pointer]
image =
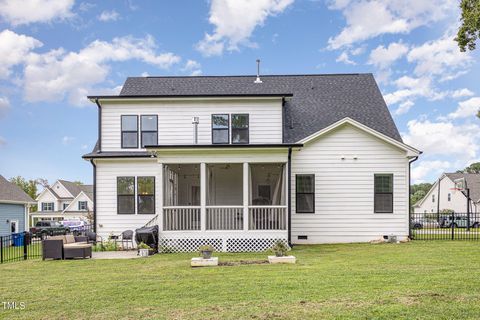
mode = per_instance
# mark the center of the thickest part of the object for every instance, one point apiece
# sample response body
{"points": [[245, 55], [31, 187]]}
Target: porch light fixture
{"points": [[342, 157]]}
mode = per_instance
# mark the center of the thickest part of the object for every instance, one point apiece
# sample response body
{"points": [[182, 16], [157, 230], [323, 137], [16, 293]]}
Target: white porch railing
{"points": [[224, 218], [181, 218], [267, 218]]}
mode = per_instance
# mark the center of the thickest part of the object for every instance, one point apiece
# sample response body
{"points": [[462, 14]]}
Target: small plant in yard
{"points": [[280, 248], [144, 249], [109, 245], [206, 251], [143, 246]]}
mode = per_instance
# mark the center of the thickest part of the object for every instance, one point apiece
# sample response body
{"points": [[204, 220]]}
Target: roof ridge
{"points": [[261, 75]]}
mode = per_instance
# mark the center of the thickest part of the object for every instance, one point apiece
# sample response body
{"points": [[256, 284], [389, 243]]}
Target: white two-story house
{"points": [[64, 200], [239, 162]]}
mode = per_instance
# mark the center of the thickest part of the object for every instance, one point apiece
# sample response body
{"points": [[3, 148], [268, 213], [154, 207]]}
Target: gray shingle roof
{"points": [[317, 101], [473, 183], [75, 189], [11, 192]]}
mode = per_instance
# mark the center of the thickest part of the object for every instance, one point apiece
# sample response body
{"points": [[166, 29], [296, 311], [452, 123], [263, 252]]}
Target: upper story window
{"points": [[240, 132], [82, 205], [433, 198], [130, 131], [383, 202], [449, 197], [149, 127], [47, 206], [220, 128], [65, 205]]}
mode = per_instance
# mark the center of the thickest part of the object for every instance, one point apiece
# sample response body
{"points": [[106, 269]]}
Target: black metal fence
{"points": [[445, 226], [28, 245]]}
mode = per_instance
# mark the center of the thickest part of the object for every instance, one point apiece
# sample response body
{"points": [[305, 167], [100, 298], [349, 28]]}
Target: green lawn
{"points": [[416, 280]]}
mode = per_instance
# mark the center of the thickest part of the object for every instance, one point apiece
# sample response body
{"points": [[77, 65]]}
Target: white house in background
{"points": [[63, 200], [239, 163], [444, 196]]}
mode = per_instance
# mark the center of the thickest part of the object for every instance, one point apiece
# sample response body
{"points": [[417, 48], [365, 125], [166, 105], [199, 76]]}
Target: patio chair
{"points": [[52, 249], [126, 238], [92, 237]]}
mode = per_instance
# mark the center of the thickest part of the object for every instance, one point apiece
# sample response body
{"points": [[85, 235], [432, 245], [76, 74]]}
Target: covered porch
{"points": [[233, 206]]}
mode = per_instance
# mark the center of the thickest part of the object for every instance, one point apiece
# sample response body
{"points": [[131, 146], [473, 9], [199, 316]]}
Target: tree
{"points": [[473, 168], [418, 191], [469, 31], [30, 187]]}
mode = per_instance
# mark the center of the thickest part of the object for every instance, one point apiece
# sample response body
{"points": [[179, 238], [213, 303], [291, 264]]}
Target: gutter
{"points": [[253, 95], [289, 191], [94, 195], [409, 198]]}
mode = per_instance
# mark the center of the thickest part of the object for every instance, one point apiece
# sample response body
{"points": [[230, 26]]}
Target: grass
{"points": [[416, 280]]}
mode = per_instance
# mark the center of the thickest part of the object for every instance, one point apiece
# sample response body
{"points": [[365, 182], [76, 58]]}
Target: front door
{"points": [[14, 226]]}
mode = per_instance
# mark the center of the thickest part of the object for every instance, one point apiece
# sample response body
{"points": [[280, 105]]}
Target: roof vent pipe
{"points": [[195, 121], [258, 72]]}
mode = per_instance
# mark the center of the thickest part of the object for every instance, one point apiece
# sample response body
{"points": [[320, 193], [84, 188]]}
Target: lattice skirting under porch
{"points": [[225, 244]]}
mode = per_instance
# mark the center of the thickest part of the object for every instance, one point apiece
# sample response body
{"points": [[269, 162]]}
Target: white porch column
{"points": [[160, 197], [203, 195], [245, 195]]}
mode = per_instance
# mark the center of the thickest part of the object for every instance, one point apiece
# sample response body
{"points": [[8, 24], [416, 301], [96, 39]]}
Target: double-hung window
{"points": [[146, 195], [240, 128], [305, 193], [129, 131], [126, 195], [220, 128], [82, 205], [383, 202], [149, 129], [47, 206]]}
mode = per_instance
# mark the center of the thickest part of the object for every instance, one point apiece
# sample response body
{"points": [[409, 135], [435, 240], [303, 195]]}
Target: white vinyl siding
{"points": [[344, 189], [175, 120], [107, 172]]}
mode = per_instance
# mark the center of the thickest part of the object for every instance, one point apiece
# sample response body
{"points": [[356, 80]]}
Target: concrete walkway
{"points": [[115, 255]]}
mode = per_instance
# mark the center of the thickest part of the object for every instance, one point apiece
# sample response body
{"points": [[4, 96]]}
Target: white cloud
{"points": [[106, 16], [343, 57], [13, 50], [66, 140], [31, 11], [460, 93], [383, 57], [3, 141], [422, 169], [4, 106], [234, 22], [53, 75], [411, 88], [193, 67], [367, 19], [404, 107], [444, 138], [466, 108], [441, 58]]}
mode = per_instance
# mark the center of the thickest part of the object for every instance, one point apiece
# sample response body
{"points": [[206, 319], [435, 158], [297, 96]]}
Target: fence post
{"points": [[452, 224], [25, 245], [1, 249]]}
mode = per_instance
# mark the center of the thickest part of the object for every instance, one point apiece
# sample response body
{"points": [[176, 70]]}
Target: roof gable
{"points": [[316, 102], [10, 192], [473, 183]]}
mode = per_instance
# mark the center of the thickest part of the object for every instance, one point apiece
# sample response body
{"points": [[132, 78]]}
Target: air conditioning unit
{"points": [[390, 238]]}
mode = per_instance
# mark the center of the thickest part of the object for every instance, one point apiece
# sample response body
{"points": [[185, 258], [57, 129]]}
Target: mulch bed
{"points": [[241, 262]]}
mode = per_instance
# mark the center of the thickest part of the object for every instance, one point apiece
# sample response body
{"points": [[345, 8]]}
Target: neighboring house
{"points": [[239, 163], [14, 207], [446, 197], [63, 200]]}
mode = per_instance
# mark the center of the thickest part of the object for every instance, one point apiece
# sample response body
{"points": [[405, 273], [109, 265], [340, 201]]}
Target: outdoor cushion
{"points": [[58, 238], [77, 245], [69, 238]]}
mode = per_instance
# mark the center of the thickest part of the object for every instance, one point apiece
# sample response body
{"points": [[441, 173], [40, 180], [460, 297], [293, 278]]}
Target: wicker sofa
{"points": [[66, 247]]}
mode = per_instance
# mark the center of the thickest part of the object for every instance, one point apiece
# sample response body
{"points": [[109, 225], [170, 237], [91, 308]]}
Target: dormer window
{"points": [[220, 128], [130, 131]]}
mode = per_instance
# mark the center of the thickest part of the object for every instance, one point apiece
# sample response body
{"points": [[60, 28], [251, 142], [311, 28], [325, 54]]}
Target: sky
{"points": [[53, 53]]}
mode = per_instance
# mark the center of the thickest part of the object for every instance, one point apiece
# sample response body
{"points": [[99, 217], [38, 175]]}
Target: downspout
{"points": [[289, 201], [409, 197], [99, 124], [94, 195]]}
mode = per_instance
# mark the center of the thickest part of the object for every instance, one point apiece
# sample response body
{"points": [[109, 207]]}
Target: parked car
{"points": [[75, 225], [460, 221], [424, 223], [43, 228]]}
